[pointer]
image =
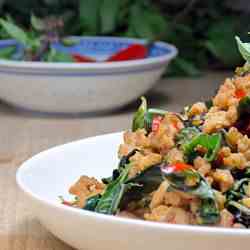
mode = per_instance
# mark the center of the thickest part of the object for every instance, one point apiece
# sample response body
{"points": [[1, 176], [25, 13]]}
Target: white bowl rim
{"points": [[200, 230], [98, 65]]}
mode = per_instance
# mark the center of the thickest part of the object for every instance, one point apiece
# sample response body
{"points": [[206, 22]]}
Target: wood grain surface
{"points": [[25, 133]]}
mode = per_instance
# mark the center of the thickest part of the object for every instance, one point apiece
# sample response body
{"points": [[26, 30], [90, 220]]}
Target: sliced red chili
{"points": [[175, 124], [67, 203], [177, 167], [240, 93], [81, 59], [156, 123], [133, 52]]}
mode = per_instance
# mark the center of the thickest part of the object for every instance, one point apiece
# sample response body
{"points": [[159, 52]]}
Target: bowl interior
{"points": [[100, 48], [51, 173]]}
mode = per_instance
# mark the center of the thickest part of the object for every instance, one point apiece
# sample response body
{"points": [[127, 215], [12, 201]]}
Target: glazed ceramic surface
{"points": [[82, 87], [49, 174]]}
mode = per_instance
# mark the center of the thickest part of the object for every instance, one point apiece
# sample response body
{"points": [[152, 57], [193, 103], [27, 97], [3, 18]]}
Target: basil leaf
{"points": [[37, 23], [240, 212], [243, 70], [244, 49], [140, 186], [186, 135], [125, 160], [209, 213], [143, 184], [138, 120], [238, 191], [92, 202], [211, 143], [15, 32], [110, 200]]}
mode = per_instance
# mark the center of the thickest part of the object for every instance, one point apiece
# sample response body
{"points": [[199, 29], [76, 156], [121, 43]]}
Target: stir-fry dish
{"points": [[191, 167]]}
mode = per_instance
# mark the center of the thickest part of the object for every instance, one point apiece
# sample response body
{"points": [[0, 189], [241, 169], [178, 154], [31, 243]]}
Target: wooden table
{"points": [[23, 134]]}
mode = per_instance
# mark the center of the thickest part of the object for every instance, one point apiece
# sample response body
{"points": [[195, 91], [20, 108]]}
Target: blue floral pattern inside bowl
{"points": [[99, 48]]}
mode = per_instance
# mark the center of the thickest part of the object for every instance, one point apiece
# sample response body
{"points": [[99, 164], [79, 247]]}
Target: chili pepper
{"points": [[81, 59], [67, 203], [133, 52], [175, 124], [156, 123], [177, 167], [240, 93]]}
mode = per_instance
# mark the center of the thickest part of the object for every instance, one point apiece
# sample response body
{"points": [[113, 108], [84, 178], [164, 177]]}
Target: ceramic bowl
{"points": [[82, 87], [51, 173]]}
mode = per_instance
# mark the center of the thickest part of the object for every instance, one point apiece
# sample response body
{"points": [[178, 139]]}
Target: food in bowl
{"points": [[183, 168], [189, 168], [46, 33]]}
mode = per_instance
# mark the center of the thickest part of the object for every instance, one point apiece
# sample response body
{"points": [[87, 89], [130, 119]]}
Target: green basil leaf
{"points": [[186, 135], [211, 143], [15, 32], [37, 23], [111, 198], [124, 161], [244, 49], [208, 212], [143, 184], [92, 202], [138, 120], [240, 212]]}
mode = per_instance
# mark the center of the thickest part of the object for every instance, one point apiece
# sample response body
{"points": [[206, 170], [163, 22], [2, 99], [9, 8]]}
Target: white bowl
{"points": [[83, 87], [49, 174]]}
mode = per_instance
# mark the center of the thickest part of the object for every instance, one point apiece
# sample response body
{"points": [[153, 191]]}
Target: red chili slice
{"points": [[81, 59], [156, 123], [67, 203], [177, 167], [240, 93], [133, 52]]}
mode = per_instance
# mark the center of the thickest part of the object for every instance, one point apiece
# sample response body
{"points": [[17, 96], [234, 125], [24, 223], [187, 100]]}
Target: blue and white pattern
{"points": [[99, 48]]}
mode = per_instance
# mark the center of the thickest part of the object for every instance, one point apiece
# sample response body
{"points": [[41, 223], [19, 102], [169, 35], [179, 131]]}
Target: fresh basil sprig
{"points": [[143, 117], [211, 143], [244, 49], [110, 200], [139, 116]]}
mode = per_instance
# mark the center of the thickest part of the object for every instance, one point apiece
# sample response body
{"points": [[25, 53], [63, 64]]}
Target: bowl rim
{"points": [[200, 230], [173, 51]]}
